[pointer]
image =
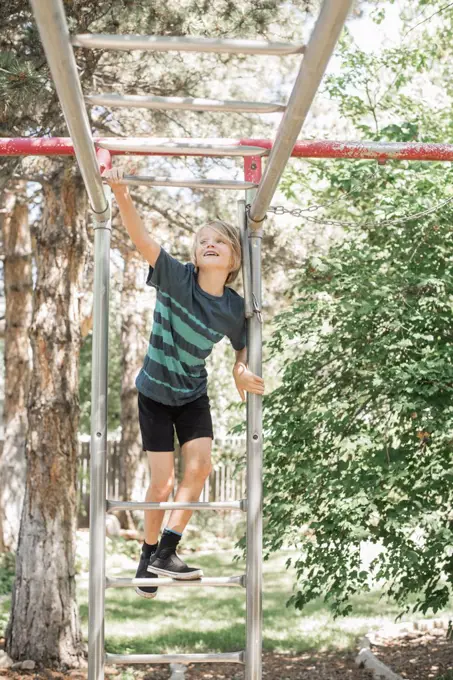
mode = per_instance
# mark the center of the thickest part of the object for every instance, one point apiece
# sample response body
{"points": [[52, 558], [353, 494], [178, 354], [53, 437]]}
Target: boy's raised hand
{"points": [[114, 175], [246, 381]]}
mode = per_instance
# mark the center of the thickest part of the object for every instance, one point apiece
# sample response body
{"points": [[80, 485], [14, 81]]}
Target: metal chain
{"points": [[257, 309], [298, 212]]}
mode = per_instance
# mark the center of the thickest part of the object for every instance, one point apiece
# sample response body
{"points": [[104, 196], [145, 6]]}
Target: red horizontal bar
{"points": [[411, 151], [36, 146]]}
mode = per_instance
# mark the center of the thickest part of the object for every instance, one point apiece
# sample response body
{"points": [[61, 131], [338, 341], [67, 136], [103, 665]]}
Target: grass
{"points": [[212, 619], [7, 567], [4, 614]]}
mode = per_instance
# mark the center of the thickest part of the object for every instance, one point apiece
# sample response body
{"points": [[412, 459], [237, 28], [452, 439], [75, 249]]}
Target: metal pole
{"points": [[102, 233], [54, 32], [246, 267], [253, 651], [317, 54]]}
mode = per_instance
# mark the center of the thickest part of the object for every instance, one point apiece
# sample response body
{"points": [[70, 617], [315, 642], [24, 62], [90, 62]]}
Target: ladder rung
{"points": [[186, 103], [184, 44], [228, 657], [228, 581], [137, 180], [197, 147], [171, 505]]}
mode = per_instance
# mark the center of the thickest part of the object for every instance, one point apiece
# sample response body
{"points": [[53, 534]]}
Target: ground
{"points": [[328, 666], [418, 655], [308, 645]]}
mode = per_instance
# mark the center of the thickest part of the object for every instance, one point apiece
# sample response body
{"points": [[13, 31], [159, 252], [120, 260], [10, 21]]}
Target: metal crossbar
{"points": [[172, 505], [138, 101], [223, 581], [193, 147], [228, 657], [153, 43], [56, 40], [137, 180]]}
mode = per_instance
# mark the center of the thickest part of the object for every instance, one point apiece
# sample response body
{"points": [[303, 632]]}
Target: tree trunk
{"points": [[18, 295], [133, 344], [44, 623]]}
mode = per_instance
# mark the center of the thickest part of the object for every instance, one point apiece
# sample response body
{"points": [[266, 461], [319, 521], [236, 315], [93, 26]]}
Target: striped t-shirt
{"points": [[188, 321]]}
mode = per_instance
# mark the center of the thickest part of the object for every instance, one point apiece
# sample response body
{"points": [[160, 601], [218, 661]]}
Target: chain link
{"points": [[357, 186], [299, 212], [257, 309]]}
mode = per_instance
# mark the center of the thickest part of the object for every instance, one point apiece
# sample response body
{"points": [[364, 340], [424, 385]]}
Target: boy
{"points": [[194, 309]]}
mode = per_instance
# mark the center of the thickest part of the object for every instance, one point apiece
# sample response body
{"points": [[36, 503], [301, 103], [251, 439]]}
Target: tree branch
{"points": [[181, 223]]}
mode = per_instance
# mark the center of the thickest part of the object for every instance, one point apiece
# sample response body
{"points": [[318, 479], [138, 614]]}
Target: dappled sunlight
{"points": [[212, 619]]}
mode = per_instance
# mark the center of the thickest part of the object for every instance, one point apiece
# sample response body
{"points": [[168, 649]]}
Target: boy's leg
{"points": [[161, 467], [194, 430], [193, 425], [162, 475], [165, 561], [197, 468], [156, 427]]}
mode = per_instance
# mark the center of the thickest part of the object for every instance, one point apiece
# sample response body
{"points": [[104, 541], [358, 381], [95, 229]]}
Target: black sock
{"points": [[148, 550], [169, 539]]}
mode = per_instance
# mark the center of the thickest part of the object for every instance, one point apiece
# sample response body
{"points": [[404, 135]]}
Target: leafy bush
{"points": [[7, 572], [359, 434]]}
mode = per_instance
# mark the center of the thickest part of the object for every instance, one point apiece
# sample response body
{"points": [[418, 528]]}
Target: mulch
{"points": [[419, 655], [309, 666], [322, 666]]}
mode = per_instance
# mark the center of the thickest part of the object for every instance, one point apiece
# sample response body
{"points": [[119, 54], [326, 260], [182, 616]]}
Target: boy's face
{"points": [[213, 251]]}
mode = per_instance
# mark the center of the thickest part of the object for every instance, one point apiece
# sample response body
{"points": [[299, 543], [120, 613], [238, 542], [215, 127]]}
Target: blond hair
{"points": [[231, 234]]}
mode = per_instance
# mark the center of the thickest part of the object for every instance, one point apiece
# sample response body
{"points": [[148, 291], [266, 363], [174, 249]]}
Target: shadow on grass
{"points": [[228, 639], [192, 608], [5, 605], [213, 619]]}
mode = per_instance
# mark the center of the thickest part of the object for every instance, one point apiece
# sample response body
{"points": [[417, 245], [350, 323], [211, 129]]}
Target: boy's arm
{"points": [[132, 221], [241, 358], [245, 380]]}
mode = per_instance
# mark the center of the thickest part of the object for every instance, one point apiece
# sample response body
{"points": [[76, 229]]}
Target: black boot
{"points": [[165, 561], [142, 572]]}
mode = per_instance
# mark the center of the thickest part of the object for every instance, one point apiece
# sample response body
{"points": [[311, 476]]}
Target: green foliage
{"points": [[114, 381], [119, 546], [7, 572], [20, 85], [35, 89], [359, 434]]}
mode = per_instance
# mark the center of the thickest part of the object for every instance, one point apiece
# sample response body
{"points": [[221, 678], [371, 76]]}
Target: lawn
{"points": [[212, 619]]}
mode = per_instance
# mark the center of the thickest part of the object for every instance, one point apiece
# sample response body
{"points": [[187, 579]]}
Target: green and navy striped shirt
{"points": [[188, 321]]}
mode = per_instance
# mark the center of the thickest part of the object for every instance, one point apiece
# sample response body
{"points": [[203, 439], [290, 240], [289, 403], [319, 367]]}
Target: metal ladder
{"points": [[93, 156]]}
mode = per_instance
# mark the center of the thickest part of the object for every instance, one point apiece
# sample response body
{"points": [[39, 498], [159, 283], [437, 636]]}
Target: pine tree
{"points": [[44, 624]]}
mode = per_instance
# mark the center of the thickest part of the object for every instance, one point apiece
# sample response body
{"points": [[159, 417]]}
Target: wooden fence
{"points": [[226, 481]]}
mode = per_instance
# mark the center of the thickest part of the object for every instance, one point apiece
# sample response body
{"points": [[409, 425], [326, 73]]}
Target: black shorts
{"points": [[191, 421]]}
